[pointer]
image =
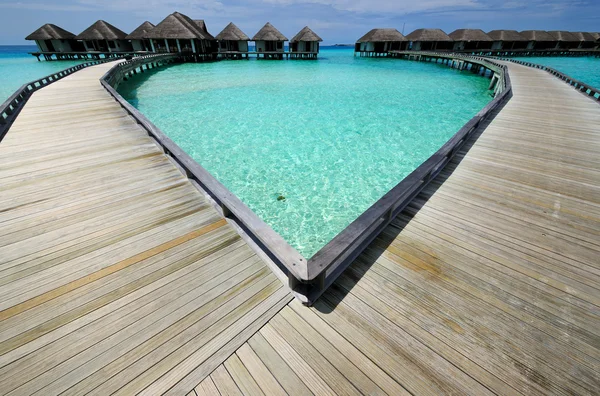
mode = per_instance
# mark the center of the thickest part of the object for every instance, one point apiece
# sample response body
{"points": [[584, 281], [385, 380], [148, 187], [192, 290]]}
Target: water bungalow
{"points": [[470, 40], [305, 44], [378, 42], [269, 42], [178, 33], [101, 36], [233, 43], [539, 39], [430, 40], [138, 37], [507, 40], [564, 39], [53, 39], [586, 40]]}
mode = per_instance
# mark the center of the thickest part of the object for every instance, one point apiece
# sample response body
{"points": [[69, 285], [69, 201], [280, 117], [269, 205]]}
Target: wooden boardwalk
{"points": [[116, 275], [488, 283]]}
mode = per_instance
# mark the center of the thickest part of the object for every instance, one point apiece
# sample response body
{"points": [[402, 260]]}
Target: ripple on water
{"points": [[331, 136]]}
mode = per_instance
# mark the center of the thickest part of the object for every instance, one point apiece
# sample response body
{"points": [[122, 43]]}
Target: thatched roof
{"points": [[595, 35], [382, 35], [469, 35], [269, 33], [50, 32], [506, 35], [306, 34], [562, 35], [140, 32], [201, 24], [101, 30], [232, 32], [537, 35], [179, 26], [428, 35], [584, 36]]}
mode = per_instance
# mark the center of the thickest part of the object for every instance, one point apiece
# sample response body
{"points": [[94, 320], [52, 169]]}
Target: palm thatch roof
{"points": [[506, 35], [201, 24], [269, 33], [179, 26], [101, 30], [469, 35], [233, 33], [537, 35], [585, 36], [428, 35], [382, 35], [562, 35], [306, 34], [140, 32], [50, 32], [595, 35]]}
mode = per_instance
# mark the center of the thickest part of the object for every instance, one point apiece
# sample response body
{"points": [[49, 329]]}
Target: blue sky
{"points": [[337, 21]]}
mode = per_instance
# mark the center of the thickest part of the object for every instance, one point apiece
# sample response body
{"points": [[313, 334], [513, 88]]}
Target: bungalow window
{"points": [[111, 44], [279, 45]]}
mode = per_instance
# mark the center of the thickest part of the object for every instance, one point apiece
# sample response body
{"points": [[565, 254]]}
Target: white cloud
{"points": [[384, 6]]}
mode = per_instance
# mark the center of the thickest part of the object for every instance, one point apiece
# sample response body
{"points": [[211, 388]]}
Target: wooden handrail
{"points": [[310, 278], [329, 262], [290, 261]]}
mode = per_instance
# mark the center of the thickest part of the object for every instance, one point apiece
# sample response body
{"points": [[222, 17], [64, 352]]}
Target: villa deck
{"points": [[118, 277]]}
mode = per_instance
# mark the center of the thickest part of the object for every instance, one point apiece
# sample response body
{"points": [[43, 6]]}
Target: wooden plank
{"points": [[224, 383], [259, 372], [241, 376]]}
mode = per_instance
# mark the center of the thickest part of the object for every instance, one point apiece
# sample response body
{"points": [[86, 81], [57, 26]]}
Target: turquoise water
{"points": [[584, 69], [17, 67], [331, 136]]}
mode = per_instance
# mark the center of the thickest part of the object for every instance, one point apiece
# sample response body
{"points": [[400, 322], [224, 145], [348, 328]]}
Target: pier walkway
{"points": [[115, 272], [118, 277]]}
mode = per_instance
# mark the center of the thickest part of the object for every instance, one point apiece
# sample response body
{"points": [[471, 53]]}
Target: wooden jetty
{"points": [[116, 272], [119, 277]]}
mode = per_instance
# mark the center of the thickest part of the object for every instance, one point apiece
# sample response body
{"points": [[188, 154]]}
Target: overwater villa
{"points": [[233, 43], [430, 40], [564, 39], [539, 39], [180, 34], [586, 40], [378, 42], [507, 40], [269, 42], [305, 44], [52, 38], [138, 37], [471, 39], [101, 36]]}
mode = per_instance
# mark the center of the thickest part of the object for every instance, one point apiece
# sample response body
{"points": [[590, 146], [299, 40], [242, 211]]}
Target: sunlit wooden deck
{"points": [[116, 275], [488, 284]]}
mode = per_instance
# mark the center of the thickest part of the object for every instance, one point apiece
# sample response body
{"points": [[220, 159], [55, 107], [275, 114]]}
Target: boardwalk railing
{"points": [[579, 85], [329, 262], [288, 260], [13, 105], [310, 278]]}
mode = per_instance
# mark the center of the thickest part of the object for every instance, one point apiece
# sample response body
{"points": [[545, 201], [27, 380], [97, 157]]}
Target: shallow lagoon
{"points": [[330, 136]]}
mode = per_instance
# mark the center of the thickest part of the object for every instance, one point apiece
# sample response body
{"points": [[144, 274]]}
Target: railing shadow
{"points": [[354, 273]]}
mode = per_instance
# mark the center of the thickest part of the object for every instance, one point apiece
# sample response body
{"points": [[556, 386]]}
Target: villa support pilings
{"points": [[455, 61]]}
